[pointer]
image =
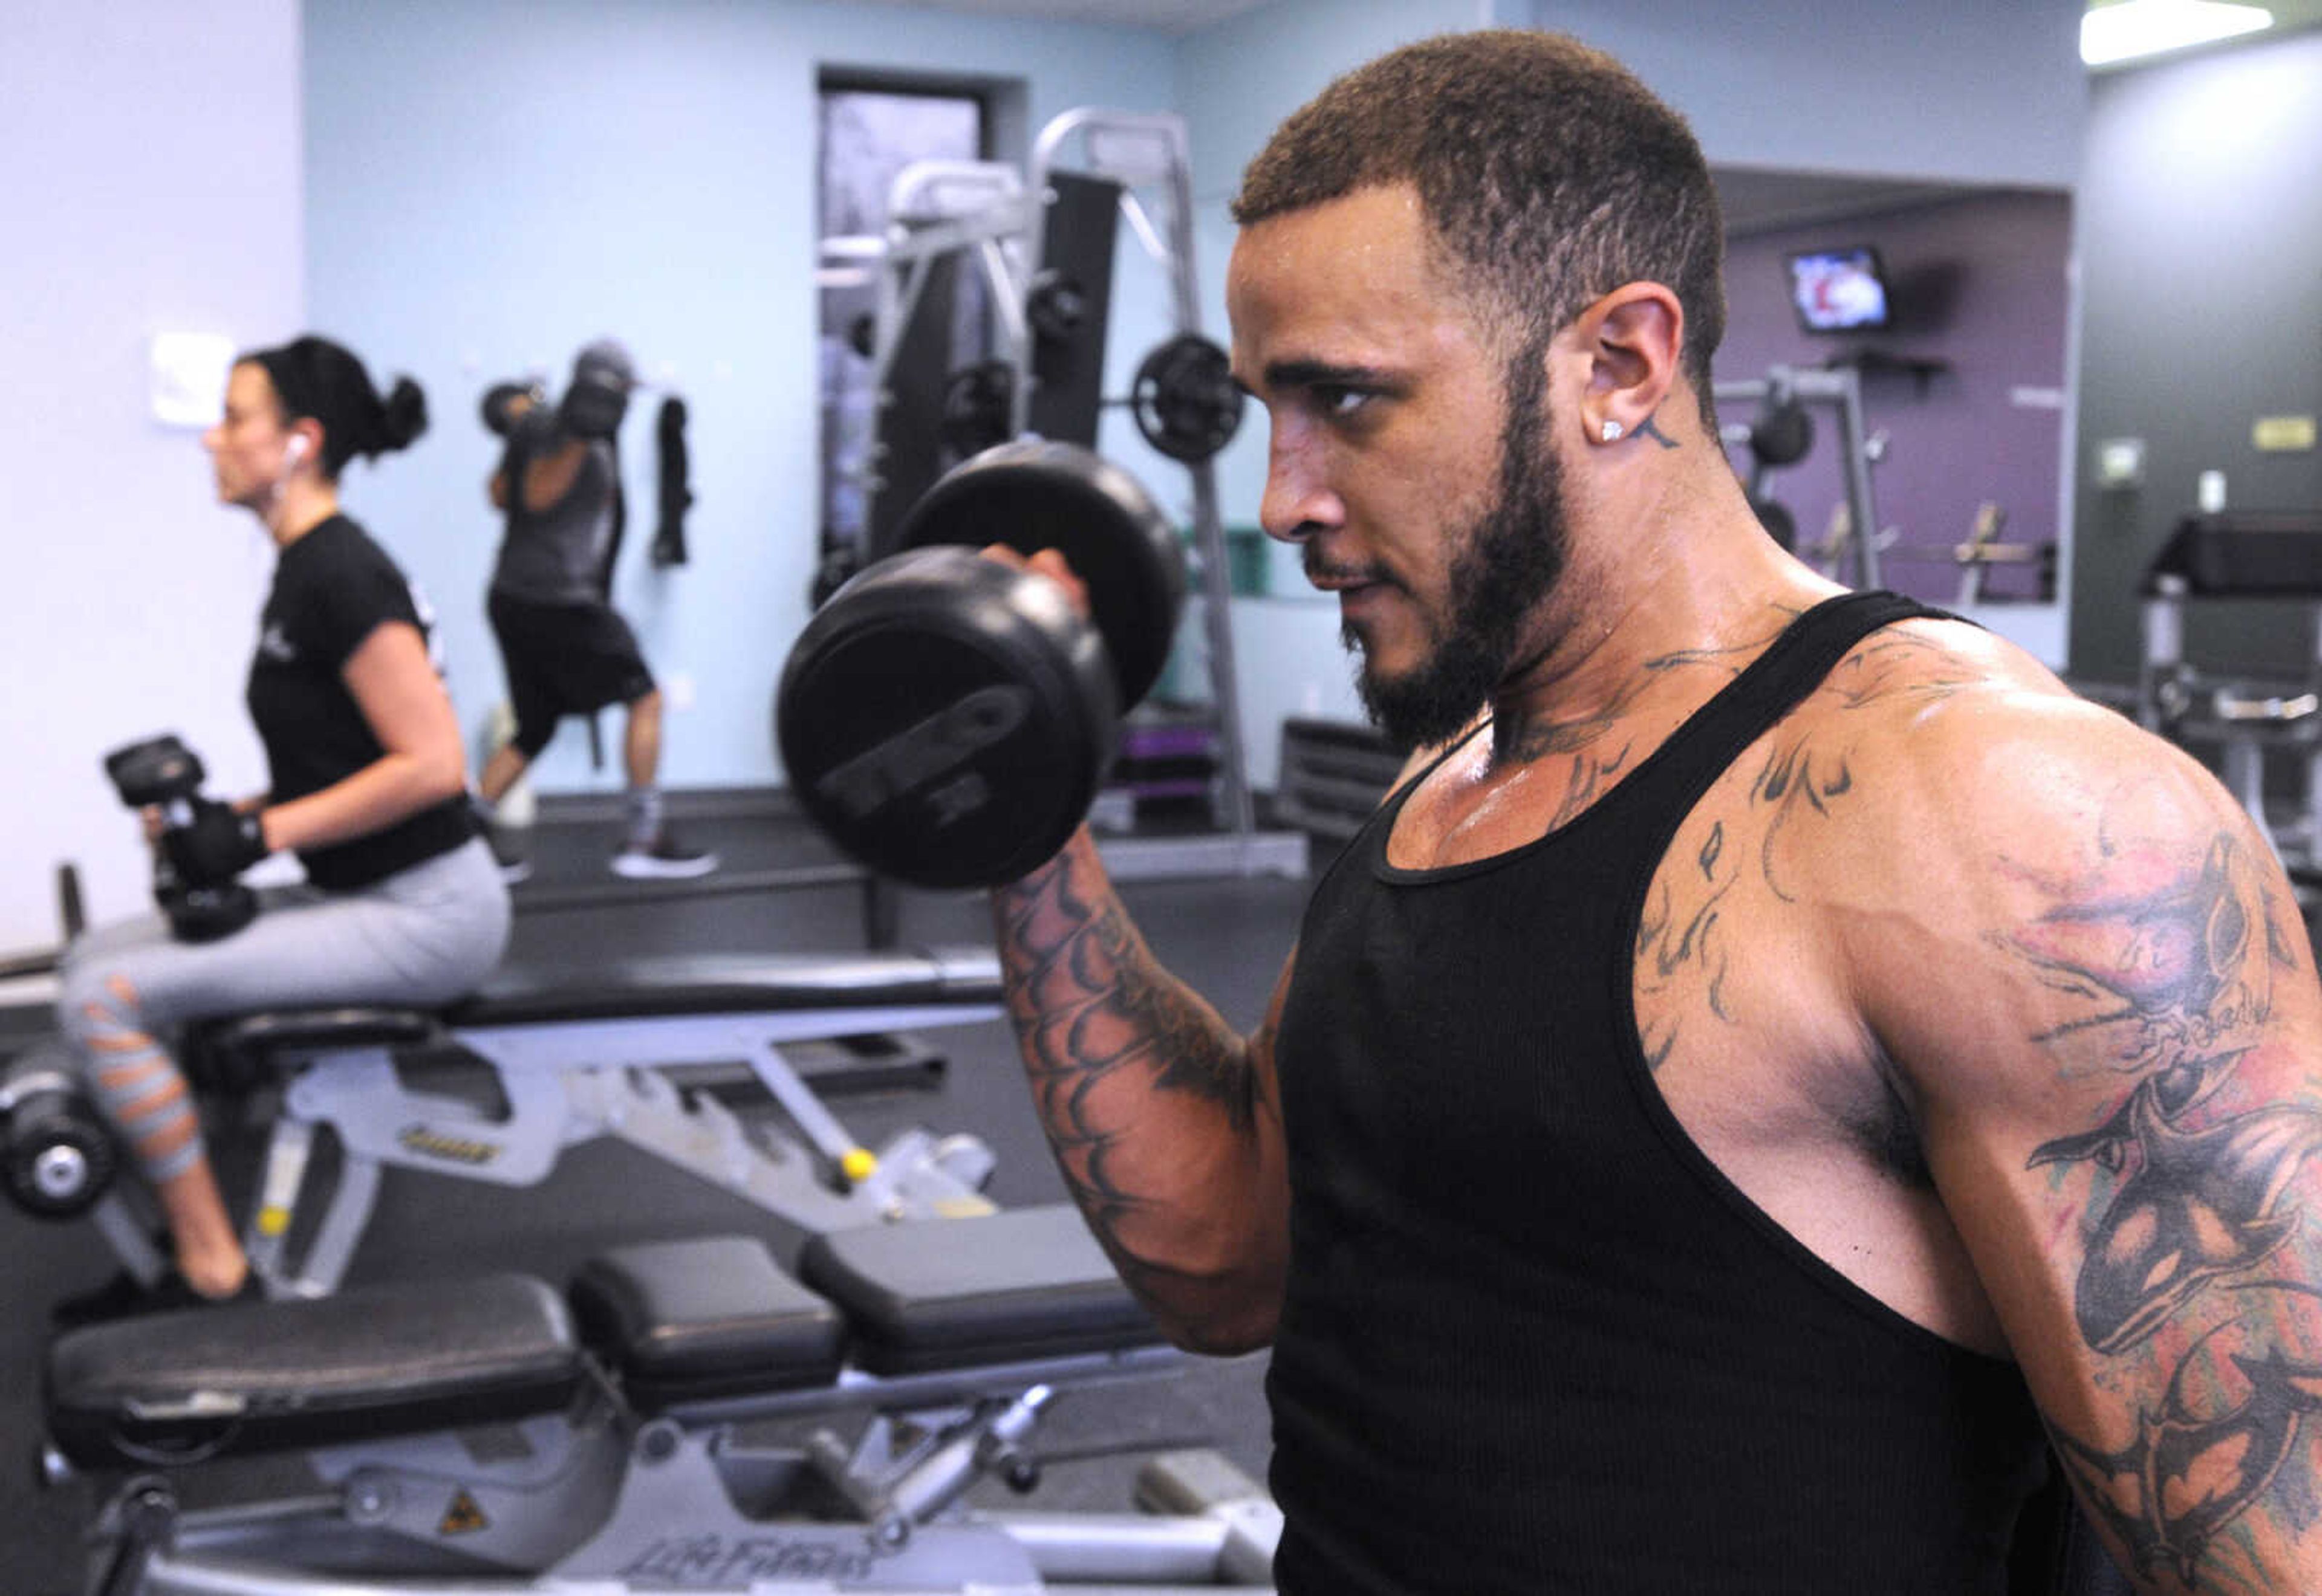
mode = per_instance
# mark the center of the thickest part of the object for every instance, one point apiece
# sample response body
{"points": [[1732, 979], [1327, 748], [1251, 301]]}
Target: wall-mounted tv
{"points": [[1842, 291]]}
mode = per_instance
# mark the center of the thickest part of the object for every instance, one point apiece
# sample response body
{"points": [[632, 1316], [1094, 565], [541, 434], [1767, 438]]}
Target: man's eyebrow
{"points": [[1323, 374]]}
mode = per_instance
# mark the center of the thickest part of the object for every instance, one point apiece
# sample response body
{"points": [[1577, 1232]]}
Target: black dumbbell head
{"points": [[1032, 495], [946, 718], [1185, 400], [154, 771], [56, 1155], [500, 405], [1780, 433]]}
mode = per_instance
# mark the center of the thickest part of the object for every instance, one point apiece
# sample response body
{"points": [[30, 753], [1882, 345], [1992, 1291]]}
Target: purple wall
{"points": [[1981, 283]]}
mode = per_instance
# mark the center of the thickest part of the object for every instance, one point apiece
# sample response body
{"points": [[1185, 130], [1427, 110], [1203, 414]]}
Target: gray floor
{"points": [[1227, 937]]}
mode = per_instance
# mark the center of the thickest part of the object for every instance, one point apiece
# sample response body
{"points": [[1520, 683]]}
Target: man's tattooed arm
{"points": [[1161, 1118], [2196, 1286], [2105, 1001]]}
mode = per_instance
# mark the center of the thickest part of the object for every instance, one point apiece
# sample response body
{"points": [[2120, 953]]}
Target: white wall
{"points": [[152, 184]]}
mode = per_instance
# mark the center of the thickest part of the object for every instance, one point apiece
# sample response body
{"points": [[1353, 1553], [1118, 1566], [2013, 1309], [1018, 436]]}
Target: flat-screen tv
{"points": [[1842, 291]]}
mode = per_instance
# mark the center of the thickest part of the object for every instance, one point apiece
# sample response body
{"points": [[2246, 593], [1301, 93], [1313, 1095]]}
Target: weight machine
{"points": [[2271, 557], [1855, 560], [944, 213]]}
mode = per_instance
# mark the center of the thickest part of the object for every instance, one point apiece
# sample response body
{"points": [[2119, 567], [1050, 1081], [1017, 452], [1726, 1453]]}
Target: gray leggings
{"points": [[424, 936]]}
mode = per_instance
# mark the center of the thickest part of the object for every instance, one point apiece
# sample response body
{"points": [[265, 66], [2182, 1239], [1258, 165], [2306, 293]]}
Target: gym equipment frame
{"points": [[565, 1058], [638, 1435], [1841, 388], [981, 209]]}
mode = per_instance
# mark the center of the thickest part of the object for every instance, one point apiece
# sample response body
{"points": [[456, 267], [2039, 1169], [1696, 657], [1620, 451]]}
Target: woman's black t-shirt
{"points": [[333, 588]]}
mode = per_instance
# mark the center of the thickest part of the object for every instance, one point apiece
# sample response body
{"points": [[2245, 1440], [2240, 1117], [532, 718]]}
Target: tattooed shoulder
{"points": [[1920, 661]]}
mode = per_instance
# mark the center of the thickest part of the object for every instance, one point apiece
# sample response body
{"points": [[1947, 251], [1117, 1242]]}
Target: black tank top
{"points": [[1533, 1340]]}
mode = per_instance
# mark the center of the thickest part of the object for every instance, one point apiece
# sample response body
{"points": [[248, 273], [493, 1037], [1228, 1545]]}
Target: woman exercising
{"points": [[402, 902]]}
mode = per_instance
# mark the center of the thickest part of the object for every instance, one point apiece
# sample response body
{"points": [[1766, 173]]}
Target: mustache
{"points": [[1319, 569]]}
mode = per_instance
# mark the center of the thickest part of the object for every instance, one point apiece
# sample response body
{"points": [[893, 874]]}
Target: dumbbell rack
{"points": [[981, 209]]}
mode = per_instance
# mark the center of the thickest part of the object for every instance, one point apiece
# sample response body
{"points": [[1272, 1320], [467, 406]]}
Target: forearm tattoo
{"points": [[1105, 1031], [2201, 1317]]}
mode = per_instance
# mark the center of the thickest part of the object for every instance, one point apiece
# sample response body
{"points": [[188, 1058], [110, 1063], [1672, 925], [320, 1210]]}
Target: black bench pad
{"points": [[237, 1053], [945, 1294], [253, 1377], [234, 1052], [712, 1316], [659, 986]]}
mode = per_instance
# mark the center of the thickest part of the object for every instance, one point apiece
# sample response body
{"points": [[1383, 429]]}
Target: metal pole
{"points": [[1857, 464]]}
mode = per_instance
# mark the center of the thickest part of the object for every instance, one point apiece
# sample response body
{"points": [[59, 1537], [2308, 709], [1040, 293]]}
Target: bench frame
{"points": [[564, 1082], [612, 1495]]}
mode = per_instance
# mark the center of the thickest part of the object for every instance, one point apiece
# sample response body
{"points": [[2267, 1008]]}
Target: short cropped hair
{"points": [[1548, 174]]}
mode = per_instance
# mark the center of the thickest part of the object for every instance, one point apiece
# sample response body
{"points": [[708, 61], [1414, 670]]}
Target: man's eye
{"points": [[1336, 401]]}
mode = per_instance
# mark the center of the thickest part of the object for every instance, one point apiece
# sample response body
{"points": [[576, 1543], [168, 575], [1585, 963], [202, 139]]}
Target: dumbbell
{"points": [[505, 404], [56, 1155], [163, 773], [946, 719]]}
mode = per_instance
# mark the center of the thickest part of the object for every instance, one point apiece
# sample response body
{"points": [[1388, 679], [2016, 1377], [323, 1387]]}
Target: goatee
{"points": [[1508, 560]]}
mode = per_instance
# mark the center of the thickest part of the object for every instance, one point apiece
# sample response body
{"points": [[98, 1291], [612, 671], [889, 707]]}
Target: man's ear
{"points": [[1632, 339]]}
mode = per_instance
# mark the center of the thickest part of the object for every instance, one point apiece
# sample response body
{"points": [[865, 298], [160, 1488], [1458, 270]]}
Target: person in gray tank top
{"points": [[565, 649]]}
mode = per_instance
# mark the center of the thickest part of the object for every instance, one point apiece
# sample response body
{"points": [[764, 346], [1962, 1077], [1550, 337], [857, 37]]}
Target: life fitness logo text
{"points": [[434, 1144]]}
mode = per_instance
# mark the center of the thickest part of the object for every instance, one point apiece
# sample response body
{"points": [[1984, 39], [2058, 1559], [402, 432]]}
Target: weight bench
{"points": [[477, 1431], [567, 1056]]}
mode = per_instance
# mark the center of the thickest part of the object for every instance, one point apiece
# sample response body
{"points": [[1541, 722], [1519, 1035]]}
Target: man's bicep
{"points": [[2119, 1067]]}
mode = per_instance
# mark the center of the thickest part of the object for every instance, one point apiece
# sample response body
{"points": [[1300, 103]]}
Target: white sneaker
{"points": [[664, 858]]}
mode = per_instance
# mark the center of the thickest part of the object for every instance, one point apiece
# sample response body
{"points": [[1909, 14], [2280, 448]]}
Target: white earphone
{"points": [[293, 449]]}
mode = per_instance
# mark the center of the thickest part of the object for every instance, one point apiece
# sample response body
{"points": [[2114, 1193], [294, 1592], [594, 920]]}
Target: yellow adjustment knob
{"points": [[859, 1165]]}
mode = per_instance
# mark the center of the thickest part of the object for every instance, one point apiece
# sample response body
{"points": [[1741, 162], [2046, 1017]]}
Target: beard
{"points": [[1505, 563]]}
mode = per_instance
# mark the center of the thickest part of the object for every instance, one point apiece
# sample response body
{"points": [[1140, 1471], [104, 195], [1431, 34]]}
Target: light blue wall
{"points": [[486, 190], [492, 182], [151, 186], [1235, 81]]}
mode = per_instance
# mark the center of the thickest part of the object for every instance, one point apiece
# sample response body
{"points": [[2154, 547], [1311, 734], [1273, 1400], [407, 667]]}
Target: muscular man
{"points": [[566, 651], [1775, 1050]]}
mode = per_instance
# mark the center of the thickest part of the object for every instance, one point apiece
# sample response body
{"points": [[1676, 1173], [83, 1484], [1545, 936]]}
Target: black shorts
{"points": [[564, 658]]}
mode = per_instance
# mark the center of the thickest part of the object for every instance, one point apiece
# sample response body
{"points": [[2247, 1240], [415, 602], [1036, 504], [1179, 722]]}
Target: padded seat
{"points": [[204, 1382], [662, 986], [697, 1319], [240, 1051], [945, 1294], [237, 1053]]}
